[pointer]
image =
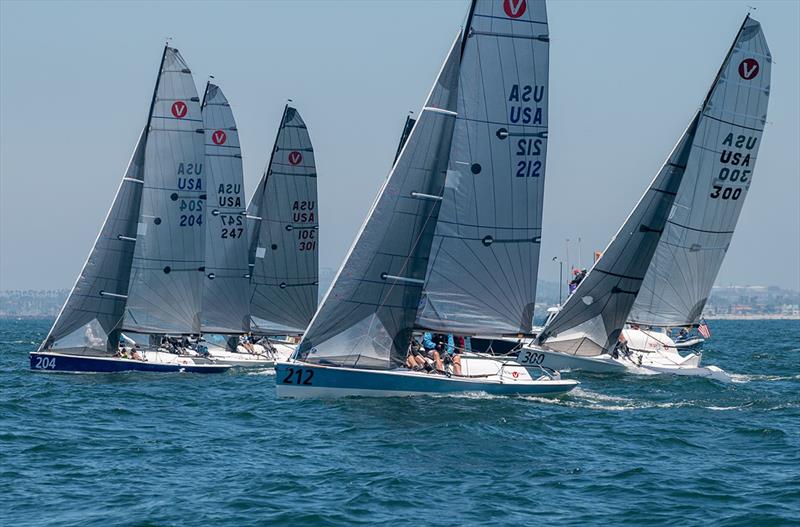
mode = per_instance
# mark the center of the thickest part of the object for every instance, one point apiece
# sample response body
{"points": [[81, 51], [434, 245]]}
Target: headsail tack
{"points": [[226, 285], [164, 293], [368, 314], [718, 175], [284, 228], [482, 272]]}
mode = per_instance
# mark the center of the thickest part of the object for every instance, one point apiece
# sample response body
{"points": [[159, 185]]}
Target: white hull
{"points": [[654, 361], [241, 358]]}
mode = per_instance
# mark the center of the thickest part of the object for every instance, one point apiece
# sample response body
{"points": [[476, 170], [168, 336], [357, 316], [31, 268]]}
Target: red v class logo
{"points": [[295, 157], [219, 137], [514, 8], [748, 69], [179, 109]]}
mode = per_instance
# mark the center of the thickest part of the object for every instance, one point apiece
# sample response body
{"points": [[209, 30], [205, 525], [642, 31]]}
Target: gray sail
{"points": [[165, 288], [407, 127], [368, 314], [285, 244], [92, 314], [718, 175], [483, 266], [591, 319], [226, 285]]}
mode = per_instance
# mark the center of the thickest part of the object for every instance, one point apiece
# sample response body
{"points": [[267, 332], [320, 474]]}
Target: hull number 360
{"points": [[298, 376]]}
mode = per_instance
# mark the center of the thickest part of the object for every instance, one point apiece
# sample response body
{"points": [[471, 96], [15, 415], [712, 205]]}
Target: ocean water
{"points": [[183, 449]]}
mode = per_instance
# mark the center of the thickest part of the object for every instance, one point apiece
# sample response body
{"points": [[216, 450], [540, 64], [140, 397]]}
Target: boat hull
{"points": [[303, 380], [639, 363], [562, 362], [61, 362]]}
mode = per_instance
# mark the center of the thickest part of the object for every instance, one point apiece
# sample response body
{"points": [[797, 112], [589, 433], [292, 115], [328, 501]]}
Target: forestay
{"points": [[165, 288], [367, 316], [718, 176], [591, 319], [93, 312], [485, 256], [284, 222], [227, 281]]}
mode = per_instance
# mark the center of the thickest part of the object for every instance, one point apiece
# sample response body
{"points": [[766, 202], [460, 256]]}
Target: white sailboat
{"points": [[464, 192], [667, 283], [226, 285], [283, 231], [143, 273]]}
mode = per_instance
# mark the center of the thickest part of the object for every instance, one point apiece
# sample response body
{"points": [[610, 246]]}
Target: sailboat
{"points": [[697, 236], [144, 272], [284, 240], [225, 308], [464, 199], [659, 271]]}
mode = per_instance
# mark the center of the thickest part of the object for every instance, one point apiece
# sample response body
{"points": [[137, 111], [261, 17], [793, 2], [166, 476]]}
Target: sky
{"points": [[76, 79]]}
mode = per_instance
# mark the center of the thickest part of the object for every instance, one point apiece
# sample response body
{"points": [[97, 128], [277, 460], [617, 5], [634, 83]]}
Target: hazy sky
{"points": [[76, 80]]}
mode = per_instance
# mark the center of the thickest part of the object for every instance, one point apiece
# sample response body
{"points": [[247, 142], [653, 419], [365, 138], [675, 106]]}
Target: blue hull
{"points": [[76, 363], [302, 380]]}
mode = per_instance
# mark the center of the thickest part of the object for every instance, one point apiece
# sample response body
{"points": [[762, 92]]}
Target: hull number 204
{"points": [[45, 363]]}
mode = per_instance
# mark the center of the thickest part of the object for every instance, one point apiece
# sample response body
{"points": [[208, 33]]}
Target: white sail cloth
{"points": [[165, 288], [368, 313], [482, 271], [718, 176], [94, 309], [592, 318], [284, 229], [227, 281]]}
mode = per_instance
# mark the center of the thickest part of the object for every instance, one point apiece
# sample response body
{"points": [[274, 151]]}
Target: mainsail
{"points": [[368, 314], [92, 314], [591, 319], [284, 250], [226, 285], [718, 175], [164, 294], [483, 265]]}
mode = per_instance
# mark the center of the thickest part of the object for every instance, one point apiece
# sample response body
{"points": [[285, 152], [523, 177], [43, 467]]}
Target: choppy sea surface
{"points": [[186, 449]]}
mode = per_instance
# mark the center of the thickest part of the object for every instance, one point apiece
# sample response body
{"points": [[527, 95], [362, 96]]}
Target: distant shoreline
{"points": [[753, 317]]}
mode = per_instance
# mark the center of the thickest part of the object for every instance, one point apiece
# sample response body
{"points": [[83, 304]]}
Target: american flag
{"points": [[703, 330]]}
